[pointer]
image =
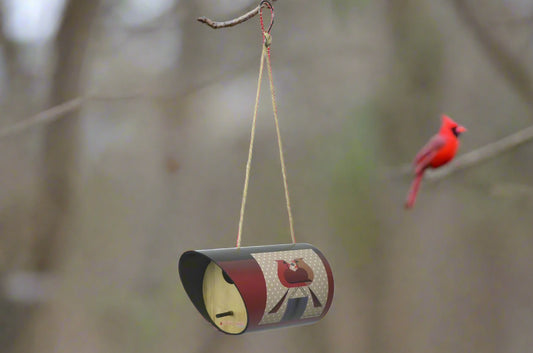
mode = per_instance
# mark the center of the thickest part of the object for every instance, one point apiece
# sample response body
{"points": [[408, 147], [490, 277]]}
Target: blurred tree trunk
{"points": [[21, 192], [183, 78], [60, 150], [407, 105], [62, 137], [409, 101], [495, 324], [176, 119]]}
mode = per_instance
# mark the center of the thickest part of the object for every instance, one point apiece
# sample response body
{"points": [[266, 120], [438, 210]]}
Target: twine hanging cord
{"points": [[267, 41]]}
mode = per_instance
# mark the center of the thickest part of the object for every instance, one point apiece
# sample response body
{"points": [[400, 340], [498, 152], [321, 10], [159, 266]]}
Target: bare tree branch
{"points": [[230, 23], [513, 69], [484, 153], [59, 111], [474, 157], [46, 116]]}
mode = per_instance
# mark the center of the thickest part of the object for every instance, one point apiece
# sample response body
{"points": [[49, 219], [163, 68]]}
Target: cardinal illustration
{"points": [[300, 263], [295, 274], [439, 150]]}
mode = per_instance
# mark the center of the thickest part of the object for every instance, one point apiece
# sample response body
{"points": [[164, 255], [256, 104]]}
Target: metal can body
{"points": [[259, 287]]}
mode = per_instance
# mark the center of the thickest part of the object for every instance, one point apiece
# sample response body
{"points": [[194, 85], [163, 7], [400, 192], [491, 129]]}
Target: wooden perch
{"points": [[230, 23]]}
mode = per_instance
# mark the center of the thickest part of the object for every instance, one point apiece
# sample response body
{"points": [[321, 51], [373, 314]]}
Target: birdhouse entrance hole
{"points": [[223, 301]]}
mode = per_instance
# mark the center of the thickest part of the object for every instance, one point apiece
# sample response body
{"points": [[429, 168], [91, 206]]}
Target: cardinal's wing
{"points": [[426, 154], [297, 276]]}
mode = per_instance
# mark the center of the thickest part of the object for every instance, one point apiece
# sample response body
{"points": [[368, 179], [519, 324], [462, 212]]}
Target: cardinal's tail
{"points": [[316, 301], [411, 197], [278, 305]]}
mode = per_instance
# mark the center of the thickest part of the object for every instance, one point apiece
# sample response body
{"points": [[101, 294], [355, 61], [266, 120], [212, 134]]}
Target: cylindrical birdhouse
{"points": [[258, 287]]}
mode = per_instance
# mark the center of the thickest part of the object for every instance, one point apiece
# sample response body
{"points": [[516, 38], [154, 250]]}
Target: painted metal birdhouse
{"points": [[259, 287]]}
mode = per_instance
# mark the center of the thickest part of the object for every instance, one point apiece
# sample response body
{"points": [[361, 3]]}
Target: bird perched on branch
{"points": [[439, 150]]}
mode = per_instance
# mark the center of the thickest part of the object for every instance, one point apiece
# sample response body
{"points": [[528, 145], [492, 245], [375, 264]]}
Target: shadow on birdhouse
{"points": [[258, 287]]}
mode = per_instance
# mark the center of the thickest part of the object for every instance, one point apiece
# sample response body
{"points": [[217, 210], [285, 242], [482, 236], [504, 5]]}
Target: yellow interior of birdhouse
{"points": [[223, 301]]}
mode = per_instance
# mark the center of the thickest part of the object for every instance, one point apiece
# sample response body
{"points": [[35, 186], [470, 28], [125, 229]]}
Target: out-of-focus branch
{"points": [[230, 23], [515, 21], [476, 156], [59, 111], [46, 116], [484, 153], [514, 70]]}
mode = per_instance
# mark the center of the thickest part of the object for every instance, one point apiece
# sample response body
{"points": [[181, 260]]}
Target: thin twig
{"points": [[230, 23], [46, 116], [484, 153]]}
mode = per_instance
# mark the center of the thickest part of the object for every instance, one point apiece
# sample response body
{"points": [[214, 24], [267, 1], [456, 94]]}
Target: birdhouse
{"points": [[258, 287]]}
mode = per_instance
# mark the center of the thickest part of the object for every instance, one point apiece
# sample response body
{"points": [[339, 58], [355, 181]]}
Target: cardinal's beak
{"points": [[460, 129]]}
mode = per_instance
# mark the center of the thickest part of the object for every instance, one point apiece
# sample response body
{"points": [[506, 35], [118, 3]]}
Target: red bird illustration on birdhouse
{"points": [[295, 275], [237, 290]]}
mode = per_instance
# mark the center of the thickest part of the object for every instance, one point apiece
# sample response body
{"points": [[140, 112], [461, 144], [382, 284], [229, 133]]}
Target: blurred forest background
{"points": [[138, 148]]}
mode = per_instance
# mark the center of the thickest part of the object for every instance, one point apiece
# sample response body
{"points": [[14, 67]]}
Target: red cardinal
{"points": [[293, 274], [297, 277], [439, 150]]}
